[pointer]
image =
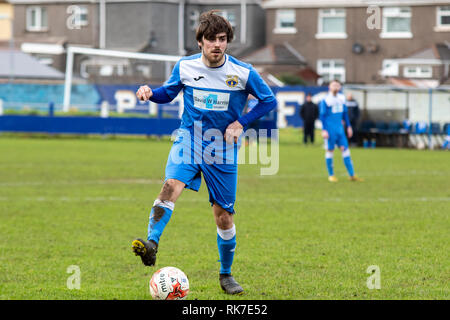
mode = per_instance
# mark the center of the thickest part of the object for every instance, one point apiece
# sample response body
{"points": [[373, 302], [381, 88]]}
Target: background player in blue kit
{"points": [[446, 144], [215, 89], [333, 112]]}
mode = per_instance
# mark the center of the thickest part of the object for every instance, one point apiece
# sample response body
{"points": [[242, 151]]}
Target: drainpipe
{"points": [[102, 22], [243, 21], [181, 50]]}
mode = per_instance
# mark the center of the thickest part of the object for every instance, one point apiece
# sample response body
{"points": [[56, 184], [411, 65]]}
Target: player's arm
{"points": [[166, 93], [322, 117], [266, 102], [347, 121], [158, 95], [266, 99]]}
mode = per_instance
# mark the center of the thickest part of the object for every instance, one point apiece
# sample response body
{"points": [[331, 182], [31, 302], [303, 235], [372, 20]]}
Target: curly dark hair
{"points": [[211, 24]]}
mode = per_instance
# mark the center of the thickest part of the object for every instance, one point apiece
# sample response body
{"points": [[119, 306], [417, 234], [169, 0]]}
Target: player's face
{"points": [[213, 50], [334, 87]]}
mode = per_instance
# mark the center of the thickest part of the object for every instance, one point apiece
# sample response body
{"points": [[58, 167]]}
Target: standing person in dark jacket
{"points": [[309, 112], [353, 115]]}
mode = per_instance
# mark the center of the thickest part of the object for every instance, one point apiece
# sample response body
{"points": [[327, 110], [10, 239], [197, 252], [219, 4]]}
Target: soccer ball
{"points": [[169, 283]]}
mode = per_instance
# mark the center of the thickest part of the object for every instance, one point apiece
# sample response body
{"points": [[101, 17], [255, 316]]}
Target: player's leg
{"points": [[221, 180], [160, 215], [226, 237], [226, 244], [446, 143], [179, 175], [163, 207], [329, 153], [346, 158]]}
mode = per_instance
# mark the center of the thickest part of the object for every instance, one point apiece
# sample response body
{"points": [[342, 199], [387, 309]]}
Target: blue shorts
{"points": [[220, 178], [336, 138]]}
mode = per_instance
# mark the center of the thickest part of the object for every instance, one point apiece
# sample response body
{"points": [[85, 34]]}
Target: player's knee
{"points": [[345, 152], [329, 154], [224, 219], [168, 190]]}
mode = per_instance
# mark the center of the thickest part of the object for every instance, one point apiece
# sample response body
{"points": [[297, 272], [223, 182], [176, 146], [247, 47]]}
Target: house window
{"points": [[417, 72], [443, 18], [390, 68], [285, 21], [396, 22], [331, 24], [230, 16], [37, 19], [78, 16], [193, 19], [331, 70], [82, 16]]}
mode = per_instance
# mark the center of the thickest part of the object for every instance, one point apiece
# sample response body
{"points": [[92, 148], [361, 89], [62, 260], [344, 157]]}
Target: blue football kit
{"points": [[333, 112], [214, 97]]}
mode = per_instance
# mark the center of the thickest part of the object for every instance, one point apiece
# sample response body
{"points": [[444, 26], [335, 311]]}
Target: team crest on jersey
{"points": [[232, 81]]}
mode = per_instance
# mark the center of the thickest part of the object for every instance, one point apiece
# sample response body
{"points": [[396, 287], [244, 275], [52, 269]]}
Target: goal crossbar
{"points": [[71, 51]]}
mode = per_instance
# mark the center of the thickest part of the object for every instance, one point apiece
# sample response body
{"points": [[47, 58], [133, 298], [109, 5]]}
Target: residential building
{"points": [[45, 28], [360, 41], [6, 16]]}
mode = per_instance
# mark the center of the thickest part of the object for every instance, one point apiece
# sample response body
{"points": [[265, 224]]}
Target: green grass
{"points": [[67, 201]]}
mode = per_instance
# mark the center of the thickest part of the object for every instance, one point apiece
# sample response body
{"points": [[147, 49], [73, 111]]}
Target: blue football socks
{"points": [[226, 243], [348, 162], [329, 161], [158, 221]]}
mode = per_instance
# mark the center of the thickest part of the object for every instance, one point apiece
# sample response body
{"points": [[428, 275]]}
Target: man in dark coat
{"points": [[353, 115], [309, 112]]}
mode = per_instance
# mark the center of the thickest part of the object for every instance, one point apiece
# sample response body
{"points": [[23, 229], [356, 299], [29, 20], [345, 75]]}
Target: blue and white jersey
{"points": [[215, 96], [332, 111]]}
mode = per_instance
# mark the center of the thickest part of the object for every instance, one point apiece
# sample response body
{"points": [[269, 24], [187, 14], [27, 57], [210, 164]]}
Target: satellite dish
{"points": [[357, 48], [372, 47]]}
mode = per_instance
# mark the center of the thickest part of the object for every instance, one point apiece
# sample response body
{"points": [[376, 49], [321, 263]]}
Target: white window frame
{"points": [[439, 13], [332, 70], [226, 15], [38, 26], [279, 29], [76, 12], [395, 12], [419, 71], [333, 13], [193, 19], [390, 68], [84, 10]]}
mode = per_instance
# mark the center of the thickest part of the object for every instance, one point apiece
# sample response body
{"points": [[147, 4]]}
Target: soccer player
{"points": [[446, 144], [333, 112], [215, 88]]}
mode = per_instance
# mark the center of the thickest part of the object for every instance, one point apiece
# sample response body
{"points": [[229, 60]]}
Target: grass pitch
{"points": [[69, 201]]}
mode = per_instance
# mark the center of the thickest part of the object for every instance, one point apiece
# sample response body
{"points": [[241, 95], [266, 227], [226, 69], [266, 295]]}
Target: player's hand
{"points": [[325, 134], [233, 131], [144, 93], [349, 132]]}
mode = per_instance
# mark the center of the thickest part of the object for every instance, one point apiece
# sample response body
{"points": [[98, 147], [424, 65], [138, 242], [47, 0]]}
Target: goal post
{"points": [[71, 51]]}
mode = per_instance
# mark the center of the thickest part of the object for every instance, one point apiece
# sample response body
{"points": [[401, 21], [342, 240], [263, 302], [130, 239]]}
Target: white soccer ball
{"points": [[169, 283]]}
